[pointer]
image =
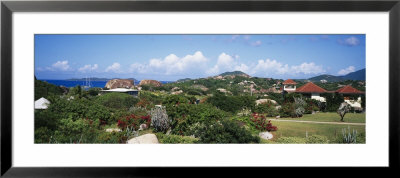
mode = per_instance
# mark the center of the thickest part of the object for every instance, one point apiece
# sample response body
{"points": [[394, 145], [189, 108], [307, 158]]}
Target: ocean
{"points": [[99, 84]]}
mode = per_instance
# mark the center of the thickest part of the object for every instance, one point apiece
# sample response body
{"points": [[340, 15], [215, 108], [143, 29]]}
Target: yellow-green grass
{"points": [[330, 117], [296, 129]]}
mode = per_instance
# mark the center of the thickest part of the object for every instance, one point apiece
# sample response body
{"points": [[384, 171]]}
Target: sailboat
{"points": [[88, 84]]}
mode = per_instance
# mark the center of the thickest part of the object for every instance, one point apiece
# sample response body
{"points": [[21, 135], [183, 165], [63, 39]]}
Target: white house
{"points": [[42, 103], [122, 90], [289, 85], [313, 91], [351, 96]]}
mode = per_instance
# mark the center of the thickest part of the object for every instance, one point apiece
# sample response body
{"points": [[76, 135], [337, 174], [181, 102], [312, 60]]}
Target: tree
{"points": [[343, 109]]}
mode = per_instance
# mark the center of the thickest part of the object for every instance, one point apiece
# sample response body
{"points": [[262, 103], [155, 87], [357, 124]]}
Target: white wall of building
{"points": [[289, 87], [354, 103], [317, 97]]}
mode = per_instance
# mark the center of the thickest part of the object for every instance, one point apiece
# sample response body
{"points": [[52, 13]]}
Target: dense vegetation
{"points": [[206, 110], [44, 89]]}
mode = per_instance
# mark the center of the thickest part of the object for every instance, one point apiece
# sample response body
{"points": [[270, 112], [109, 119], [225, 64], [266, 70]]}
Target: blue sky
{"points": [[172, 57]]}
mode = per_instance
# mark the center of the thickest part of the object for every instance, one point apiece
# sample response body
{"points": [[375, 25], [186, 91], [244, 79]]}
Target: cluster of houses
{"points": [[313, 91]]}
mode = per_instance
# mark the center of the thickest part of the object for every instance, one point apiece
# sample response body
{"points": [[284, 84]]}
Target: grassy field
{"points": [[295, 129], [330, 117]]}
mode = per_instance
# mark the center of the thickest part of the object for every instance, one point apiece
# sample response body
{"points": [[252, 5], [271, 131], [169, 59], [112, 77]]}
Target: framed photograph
{"points": [[111, 88]]}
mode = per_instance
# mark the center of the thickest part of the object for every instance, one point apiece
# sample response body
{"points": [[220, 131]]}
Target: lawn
{"points": [[330, 117], [296, 129]]}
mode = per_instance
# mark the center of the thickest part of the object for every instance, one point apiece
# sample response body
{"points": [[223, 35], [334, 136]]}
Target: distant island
{"points": [[97, 79], [357, 75]]}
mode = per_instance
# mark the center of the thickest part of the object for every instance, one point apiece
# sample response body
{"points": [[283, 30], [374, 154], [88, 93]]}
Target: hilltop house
{"points": [[289, 85], [312, 91], [351, 95], [42, 103], [131, 92]]}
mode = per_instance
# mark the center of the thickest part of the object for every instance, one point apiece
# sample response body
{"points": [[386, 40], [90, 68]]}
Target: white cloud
{"points": [[173, 65], [267, 67], [307, 68], [115, 67], [88, 67], [224, 63], [347, 70], [60, 65], [351, 41]]}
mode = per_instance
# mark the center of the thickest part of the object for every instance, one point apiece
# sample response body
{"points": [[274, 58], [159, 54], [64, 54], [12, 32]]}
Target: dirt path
{"points": [[316, 122]]}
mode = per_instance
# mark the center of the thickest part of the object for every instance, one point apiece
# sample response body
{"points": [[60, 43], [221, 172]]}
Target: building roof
{"points": [[289, 82], [119, 90], [349, 90], [310, 88], [41, 103]]}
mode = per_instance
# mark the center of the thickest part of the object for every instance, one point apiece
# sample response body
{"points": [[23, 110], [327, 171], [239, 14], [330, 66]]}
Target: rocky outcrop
{"points": [[266, 135], [153, 83], [119, 83], [144, 139], [260, 101]]}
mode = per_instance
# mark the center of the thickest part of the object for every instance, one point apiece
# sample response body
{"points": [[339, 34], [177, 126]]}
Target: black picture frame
{"points": [[8, 7]]}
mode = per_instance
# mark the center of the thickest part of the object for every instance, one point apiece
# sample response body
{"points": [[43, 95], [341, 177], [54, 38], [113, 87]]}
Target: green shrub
{"points": [[232, 104], [267, 108], [291, 140], [78, 131], [117, 100], [62, 108], [333, 101], [225, 131], [184, 115], [150, 98], [287, 110], [42, 135], [300, 140], [109, 137], [317, 139], [247, 123], [44, 89], [162, 138], [172, 100], [46, 118], [93, 91]]}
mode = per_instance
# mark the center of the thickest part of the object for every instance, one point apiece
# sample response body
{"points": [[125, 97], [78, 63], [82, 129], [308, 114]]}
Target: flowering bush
{"points": [[134, 121], [261, 124]]}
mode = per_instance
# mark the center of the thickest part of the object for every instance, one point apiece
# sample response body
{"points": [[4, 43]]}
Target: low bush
{"points": [[267, 108], [225, 131], [300, 140], [162, 138], [184, 115], [117, 100], [291, 140], [317, 139], [231, 103], [287, 110], [42, 135]]}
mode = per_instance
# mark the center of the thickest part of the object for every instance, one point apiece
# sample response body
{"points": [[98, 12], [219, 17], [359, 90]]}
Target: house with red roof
{"points": [[289, 85], [312, 91], [351, 95]]}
